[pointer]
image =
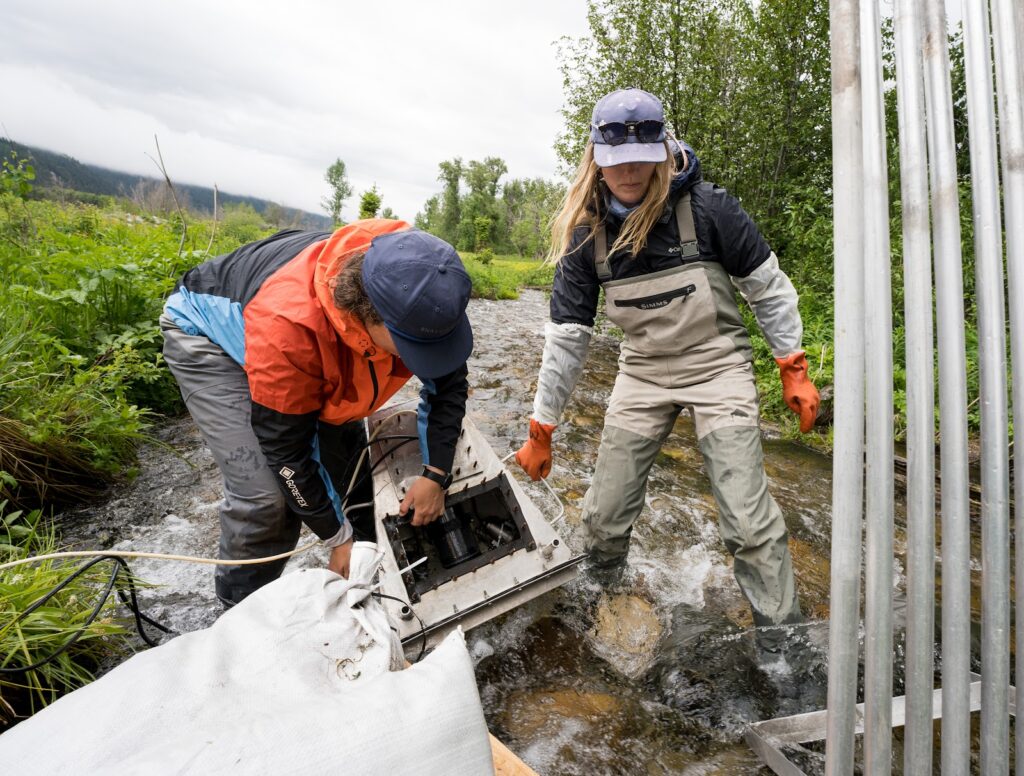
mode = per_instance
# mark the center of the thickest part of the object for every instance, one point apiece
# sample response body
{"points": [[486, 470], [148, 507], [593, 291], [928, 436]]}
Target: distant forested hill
{"points": [[54, 170]]}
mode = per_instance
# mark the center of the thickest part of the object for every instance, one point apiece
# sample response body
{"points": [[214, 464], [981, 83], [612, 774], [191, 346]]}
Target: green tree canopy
{"points": [[476, 212], [337, 177], [450, 211], [746, 83], [369, 203]]}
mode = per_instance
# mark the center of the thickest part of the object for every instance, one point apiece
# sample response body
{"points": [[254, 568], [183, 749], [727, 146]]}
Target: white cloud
{"points": [[260, 97]]}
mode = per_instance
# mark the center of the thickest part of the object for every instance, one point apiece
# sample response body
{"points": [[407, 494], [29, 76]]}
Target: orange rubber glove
{"points": [[535, 455], [799, 392]]}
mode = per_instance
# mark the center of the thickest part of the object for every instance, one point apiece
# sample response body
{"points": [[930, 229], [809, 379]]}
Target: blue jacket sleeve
{"points": [[439, 417]]}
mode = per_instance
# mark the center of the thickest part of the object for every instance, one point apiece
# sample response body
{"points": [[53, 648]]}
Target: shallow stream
{"points": [[662, 680]]}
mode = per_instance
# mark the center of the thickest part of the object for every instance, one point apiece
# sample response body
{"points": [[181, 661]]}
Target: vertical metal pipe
{"points": [[1007, 33], [956, 583], [995, 465], [848, 450], [878, 563], [919, 337], [1018, 33]]}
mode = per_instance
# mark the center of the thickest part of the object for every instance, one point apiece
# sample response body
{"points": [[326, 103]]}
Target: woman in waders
{"points": [[669, 250]]}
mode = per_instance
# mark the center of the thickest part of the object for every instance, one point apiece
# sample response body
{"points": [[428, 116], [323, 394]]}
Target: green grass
{"points": [[44, 631], [81, 372], [81, 377], [503, 276]]}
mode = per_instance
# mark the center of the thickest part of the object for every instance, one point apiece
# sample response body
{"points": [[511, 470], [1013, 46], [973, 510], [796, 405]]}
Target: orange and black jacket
{"points": [[269, 306]]}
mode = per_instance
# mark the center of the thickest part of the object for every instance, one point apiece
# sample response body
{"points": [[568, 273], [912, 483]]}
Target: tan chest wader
{"points": [[685, 346], [681, 325]]}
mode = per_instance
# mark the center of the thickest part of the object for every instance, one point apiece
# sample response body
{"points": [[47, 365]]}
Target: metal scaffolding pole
{"points": [[919, 344], [995, 465], [930, 205], [956, 600], [848, 452], [878, 562], [1007, 32]]}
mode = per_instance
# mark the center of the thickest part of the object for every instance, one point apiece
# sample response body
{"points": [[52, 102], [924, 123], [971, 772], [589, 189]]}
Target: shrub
{"points": [[40, 634]]}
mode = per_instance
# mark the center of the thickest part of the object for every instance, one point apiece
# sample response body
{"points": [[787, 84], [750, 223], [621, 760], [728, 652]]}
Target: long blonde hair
{"points": [[581, 206]]}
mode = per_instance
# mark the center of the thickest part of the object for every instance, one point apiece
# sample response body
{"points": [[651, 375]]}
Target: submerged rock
{"points": [[626, 633], [531, 713]]}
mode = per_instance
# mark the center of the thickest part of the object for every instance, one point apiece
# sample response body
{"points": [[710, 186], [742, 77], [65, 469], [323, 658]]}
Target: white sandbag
{"points": [[301, 677]]}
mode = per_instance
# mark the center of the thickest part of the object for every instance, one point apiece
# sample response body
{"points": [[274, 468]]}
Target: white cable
{"points": [[366, 451], [411, 566], [561, 507], [349, 508], [156, 555]]}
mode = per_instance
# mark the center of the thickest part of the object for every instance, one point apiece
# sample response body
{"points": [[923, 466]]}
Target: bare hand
{"points": [[426, 498], [340, 558]]}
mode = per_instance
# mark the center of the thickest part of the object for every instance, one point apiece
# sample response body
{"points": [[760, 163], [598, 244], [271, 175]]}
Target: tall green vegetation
{"points": [[81, 379], [529, 204], [746, 84], [476, 212], [27, 640], [81, 288]]}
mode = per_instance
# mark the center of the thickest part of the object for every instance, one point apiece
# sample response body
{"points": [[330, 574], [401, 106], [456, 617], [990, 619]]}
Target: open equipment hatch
{"points": [[491, 551]]}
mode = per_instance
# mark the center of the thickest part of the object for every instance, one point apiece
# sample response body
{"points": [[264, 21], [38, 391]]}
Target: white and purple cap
{"points": [[628, 107], [417, 283]]}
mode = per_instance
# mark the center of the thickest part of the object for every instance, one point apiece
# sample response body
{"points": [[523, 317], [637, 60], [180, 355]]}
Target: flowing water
{"points": [[660, 680]]}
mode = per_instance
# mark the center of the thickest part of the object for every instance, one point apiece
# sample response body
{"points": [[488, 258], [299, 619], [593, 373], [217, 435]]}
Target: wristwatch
{"points": [[444, 480]]}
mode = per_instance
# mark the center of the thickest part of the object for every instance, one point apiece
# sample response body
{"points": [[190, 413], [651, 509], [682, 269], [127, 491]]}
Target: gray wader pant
{"points": [[685, 345], [725, 411], [254, 519]]}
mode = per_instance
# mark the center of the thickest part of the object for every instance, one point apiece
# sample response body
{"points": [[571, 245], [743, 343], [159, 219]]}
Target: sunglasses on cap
{"points": [[617, 132]]}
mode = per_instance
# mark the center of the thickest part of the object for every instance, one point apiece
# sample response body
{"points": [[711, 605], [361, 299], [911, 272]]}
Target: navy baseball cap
{"points": [[621, 113], [417, 283]]}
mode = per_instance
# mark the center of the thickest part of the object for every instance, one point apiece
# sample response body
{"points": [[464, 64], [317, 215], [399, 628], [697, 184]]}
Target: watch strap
{"points": [[444, 480]]}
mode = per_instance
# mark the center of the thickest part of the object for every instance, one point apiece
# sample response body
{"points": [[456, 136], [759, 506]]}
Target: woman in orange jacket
{"points": [[282, 347]]}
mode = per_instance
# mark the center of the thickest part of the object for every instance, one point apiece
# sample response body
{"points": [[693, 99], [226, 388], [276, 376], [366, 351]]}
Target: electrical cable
{"points": [[376, 465], [366, 447], [349, 469], [423, 628], [544, 481], [215, 561], [119, 563], [364, 505]]}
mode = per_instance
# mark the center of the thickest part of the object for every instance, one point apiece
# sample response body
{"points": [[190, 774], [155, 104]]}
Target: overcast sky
{"points": [[260, 97]]}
